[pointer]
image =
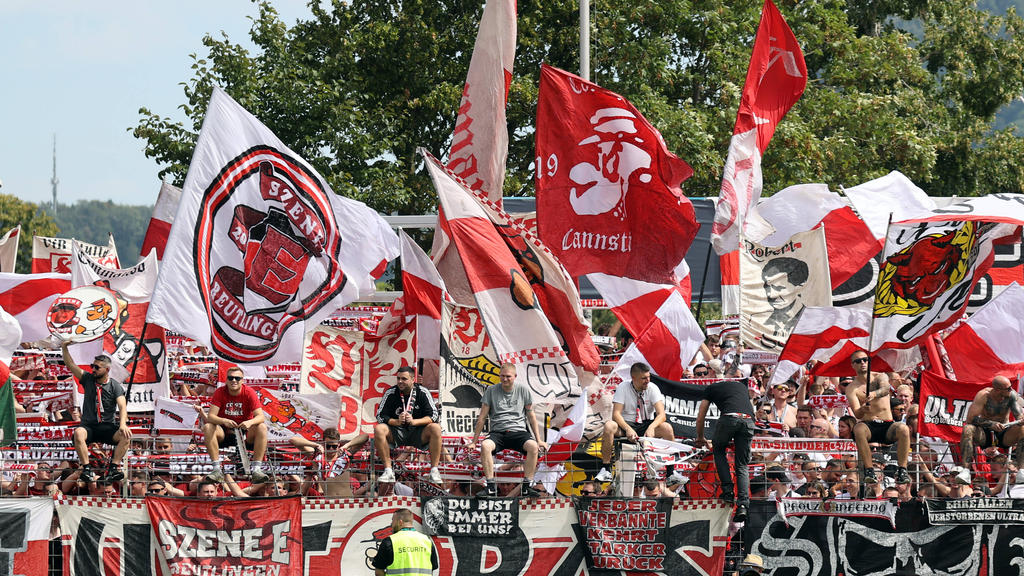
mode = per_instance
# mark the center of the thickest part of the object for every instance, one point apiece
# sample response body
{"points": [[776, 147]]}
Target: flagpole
{"points": [[585, 39], [135, 361], [704, 279], [874, 303]]}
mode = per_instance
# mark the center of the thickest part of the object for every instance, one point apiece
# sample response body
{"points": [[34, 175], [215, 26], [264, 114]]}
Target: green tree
{"points": [[91, 221], [359, 85], [34, 222]]}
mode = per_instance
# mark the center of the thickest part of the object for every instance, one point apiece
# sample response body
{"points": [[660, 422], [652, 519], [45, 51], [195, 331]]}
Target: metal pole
{"points": [[585, 39]]}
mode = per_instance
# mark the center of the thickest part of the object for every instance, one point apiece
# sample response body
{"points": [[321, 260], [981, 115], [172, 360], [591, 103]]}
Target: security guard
{"points": [[406, 552]]}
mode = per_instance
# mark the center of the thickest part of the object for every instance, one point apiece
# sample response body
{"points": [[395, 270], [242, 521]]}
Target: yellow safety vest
{"points": [[411, 551]]}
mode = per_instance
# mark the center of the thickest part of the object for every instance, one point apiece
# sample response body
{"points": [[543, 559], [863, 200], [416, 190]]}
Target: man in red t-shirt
{"points": [[236, 406]]}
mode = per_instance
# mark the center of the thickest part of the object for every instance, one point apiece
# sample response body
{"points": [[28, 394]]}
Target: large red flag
{"points": [[608, 190], [944, 405], [160, 223], [989, 342], [776, 79]]}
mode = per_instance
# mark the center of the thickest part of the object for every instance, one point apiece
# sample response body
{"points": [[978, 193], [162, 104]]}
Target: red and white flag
{"points": [[821, 333], [729, 268], [137, 350], [667, 344], [27, 297], [160, 223], [333, 363], [555, 291], [608, 190], [927, 274], [480, 142], [891, 196], [635, 302], [563, 442], [9, 249], [803, 207], [775, 80], [989, 342], [510, 308], [423, 290], [261, 247], [54, 254]]}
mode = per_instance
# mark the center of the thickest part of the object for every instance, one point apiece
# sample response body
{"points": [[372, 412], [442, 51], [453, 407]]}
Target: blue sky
{"points": [[82, 70]]}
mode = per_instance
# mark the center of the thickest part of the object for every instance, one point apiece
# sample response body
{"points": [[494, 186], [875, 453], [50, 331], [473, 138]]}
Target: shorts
{"points": [[512, 440], [879, 431], [639, 427], [100, 432], [407, 436], [992, 438], [229, 440]]}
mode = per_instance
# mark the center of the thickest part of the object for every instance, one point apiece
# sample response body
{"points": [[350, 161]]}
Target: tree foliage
{"points": [[359, 85], [34, 222], [91, 221]]}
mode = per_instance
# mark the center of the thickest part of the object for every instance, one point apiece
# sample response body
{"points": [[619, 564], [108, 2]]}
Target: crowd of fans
{"points": [[329, 465]]}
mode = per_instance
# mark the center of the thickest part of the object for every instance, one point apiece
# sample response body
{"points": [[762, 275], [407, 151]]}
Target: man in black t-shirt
{"points": [[407, 416], [98, 417], [736, 423]]}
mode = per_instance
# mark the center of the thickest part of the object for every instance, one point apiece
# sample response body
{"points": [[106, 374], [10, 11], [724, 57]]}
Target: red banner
{"points": [[946, 405], [218, 537]]}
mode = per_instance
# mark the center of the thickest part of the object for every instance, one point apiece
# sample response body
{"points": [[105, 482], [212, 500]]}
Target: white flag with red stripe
{"points": [[563, 442], [804, 207], [667, 344], [261, 247], [775, 80], [160, 223], [480, 140], [54, 254], [27, 297], [821, 333], [892, 195], [989, 342], [635, 302], [519, 331], [423, 290], [9, 249]]}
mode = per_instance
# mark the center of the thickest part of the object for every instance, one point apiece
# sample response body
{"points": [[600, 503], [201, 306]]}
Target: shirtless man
{"points": [[987, 422], [870, 405]]}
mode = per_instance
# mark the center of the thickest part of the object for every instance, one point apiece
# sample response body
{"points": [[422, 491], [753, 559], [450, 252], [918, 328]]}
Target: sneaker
{"points": [[740, 514], [490, 490], [869, 476], [387, 477], [258, 477], [603, 476], [87, 474], [216, 476], [112, 476], [902, 477], [529, 491], [435, 476]]}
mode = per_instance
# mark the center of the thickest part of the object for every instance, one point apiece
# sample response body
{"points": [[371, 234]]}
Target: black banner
{"points": [[976, 511], [470, 517], [625, 533], [682, 401]]}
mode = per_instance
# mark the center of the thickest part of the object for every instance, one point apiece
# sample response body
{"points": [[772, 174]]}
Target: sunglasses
{"points": [[700, 373], [94, 366], [234, 378], [157, 491], [863, 360], [587, 492], [332, 446]]}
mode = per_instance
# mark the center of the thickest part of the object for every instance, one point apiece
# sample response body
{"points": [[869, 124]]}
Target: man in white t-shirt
{"points": [[638, 409]]}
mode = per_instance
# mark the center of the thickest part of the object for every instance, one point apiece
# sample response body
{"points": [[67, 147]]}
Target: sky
{"points": [[81, 70]]}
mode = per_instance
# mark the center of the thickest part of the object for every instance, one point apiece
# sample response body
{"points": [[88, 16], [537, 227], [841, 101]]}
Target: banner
{"points": [[54, 254], [608, 190], [106, 537], [882, 508], [261, 245], [624, 533], [227, 537], [138, 358], [383, 355], [28, 297], [160, 222], [468, 366], [826, 546], [682, 402], [944, 405], [776, 284], [290, 413], [25, 535], [332, 363], [470, 517], [975, 511], [803, 445]]}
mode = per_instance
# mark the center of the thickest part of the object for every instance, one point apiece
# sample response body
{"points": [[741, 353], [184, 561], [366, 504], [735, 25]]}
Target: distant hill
{"points": [[1012, 113], [91, 220]]}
